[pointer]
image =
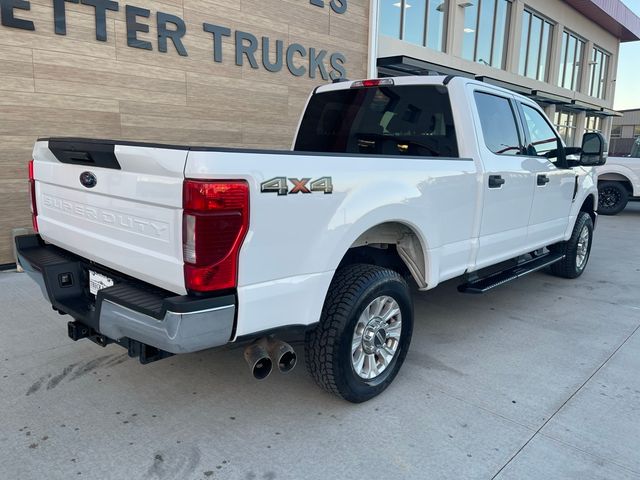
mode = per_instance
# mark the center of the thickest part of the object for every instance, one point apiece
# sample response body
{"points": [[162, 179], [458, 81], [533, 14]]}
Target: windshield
{"points": [[399, 120]]}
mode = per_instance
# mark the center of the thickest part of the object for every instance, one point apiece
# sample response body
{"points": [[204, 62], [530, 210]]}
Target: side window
{"points": [[543, 138], [498, 124]]}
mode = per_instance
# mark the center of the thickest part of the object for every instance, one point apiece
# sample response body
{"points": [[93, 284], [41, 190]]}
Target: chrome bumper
{"points": [[129, 310], [175, 333]]}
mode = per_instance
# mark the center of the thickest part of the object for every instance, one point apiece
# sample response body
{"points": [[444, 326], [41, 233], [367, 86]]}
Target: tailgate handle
{"points": [[99, 153], [77, 157]]}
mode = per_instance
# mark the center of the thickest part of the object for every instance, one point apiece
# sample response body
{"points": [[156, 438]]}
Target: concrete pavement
{"points": [[535, 380]]}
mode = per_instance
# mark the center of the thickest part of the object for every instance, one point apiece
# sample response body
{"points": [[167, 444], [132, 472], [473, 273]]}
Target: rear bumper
{"points": [[128, 311]]}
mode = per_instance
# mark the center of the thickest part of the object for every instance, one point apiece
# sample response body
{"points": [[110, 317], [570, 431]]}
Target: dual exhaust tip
{"points": [[265, 352]]}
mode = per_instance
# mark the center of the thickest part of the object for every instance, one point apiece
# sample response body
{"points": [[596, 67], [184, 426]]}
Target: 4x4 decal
{"points": [[280, 185]]}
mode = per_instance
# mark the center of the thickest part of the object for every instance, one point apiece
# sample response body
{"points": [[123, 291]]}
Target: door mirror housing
{"points": [[594, 150]]}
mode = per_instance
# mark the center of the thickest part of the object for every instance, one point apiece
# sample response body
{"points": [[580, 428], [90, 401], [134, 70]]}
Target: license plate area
{"points": [[98, 281]]}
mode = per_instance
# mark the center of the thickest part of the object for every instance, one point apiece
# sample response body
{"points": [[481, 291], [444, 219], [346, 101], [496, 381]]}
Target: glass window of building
{"points": [[636, 131], [571, 60], [565, 122], [598, 74], [616, 131], [593, 123], [390, 11], [422, 22], [535, 46], [486, 30]]}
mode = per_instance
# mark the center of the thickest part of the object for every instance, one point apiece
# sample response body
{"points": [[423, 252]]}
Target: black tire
{"points": [[329, 344], [570, 267], [612, 197]]}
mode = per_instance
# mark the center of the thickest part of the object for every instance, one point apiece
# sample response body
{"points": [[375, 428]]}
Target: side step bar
{"points": [[484, 284]]}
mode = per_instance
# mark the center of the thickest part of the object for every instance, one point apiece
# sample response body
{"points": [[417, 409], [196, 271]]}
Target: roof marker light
{"points": [[373, 82]]}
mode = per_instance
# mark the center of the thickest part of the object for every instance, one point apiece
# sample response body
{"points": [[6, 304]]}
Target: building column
{"points": [[585, 69], [581, 120], [455, 26], [607, 123], [550, 111], [554, 55], [612, 76], [372, 60], [515, 37]]}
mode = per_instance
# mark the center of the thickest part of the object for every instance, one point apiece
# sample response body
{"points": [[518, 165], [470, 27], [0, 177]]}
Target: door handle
{"points": [[496, 181], [542, 180]]}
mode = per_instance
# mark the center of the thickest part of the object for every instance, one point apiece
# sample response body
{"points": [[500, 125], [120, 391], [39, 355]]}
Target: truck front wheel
{"points": [[576, 250], [364, 332], [612, 197]]}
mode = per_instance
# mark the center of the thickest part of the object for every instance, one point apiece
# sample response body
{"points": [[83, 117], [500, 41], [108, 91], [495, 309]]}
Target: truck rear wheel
{"points": [[576, 250], [612, 197], [364, 332]]}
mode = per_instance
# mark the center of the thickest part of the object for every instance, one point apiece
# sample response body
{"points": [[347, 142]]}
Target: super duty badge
{"points": [[280, 185]]}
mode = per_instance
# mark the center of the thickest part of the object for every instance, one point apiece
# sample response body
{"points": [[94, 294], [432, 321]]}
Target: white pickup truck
{"points": [[170, 249], [619, 181]]}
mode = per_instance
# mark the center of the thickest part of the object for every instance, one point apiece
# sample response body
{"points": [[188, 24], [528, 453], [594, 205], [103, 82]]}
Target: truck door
{"points": [[507, 183], [554, 184]]}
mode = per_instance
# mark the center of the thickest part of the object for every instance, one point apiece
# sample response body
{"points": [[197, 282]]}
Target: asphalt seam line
{"points": [[565, 402]]}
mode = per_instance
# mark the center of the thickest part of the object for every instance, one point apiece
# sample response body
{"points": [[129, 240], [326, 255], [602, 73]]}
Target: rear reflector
{"points": [[32, 195], [374, 82], [215, 222]]}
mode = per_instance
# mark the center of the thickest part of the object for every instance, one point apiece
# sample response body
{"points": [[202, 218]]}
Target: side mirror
{"points": [[594, 150]]}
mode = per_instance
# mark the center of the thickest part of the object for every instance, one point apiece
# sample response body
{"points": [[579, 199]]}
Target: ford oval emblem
{"points": [[88, 179]]}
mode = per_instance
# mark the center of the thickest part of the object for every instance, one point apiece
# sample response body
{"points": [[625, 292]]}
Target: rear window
{"points": [[411, 120]]}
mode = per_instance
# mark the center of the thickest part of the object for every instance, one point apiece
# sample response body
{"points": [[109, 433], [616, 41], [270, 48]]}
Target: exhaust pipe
{"points": [[282, 354], [258, 359]]}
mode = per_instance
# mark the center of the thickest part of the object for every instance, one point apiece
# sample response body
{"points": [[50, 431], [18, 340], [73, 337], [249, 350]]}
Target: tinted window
{"points": [[402, 120], [498, 124], [543, 138]]}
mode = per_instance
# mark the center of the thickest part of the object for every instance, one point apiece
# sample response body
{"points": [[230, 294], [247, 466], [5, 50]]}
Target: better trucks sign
{"points": [[271, 55]]}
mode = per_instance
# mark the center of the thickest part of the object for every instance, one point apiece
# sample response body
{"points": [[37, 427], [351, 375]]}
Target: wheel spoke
{"points": [[356, 343], [379, 305], [373, 366], [392, 312], [359, 363], [385, 356], [394, 329]]}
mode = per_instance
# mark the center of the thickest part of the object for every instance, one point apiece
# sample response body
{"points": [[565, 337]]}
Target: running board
{"points": [[484, 284]]}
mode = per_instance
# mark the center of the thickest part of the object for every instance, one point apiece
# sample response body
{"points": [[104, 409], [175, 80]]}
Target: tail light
{"points": [[32, 194], [215, 223]]}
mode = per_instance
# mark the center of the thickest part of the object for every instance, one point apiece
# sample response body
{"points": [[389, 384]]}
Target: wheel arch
{"points": [[620, 172], [617, 177], [395, 244], [589, 205]]}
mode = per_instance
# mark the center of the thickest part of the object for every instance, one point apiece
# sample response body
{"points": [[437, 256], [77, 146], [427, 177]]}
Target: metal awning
{"points": [[605, 112], [588, 107], [402, 65], [552, 98], [509, 86]]}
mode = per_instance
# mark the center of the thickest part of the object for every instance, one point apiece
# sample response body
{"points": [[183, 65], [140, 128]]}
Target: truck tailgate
{"points": [[130, 220]]}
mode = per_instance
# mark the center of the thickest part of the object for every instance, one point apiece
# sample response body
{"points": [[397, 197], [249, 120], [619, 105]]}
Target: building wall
{"points": [[76, 85], [629, 125], [561, 14]]}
